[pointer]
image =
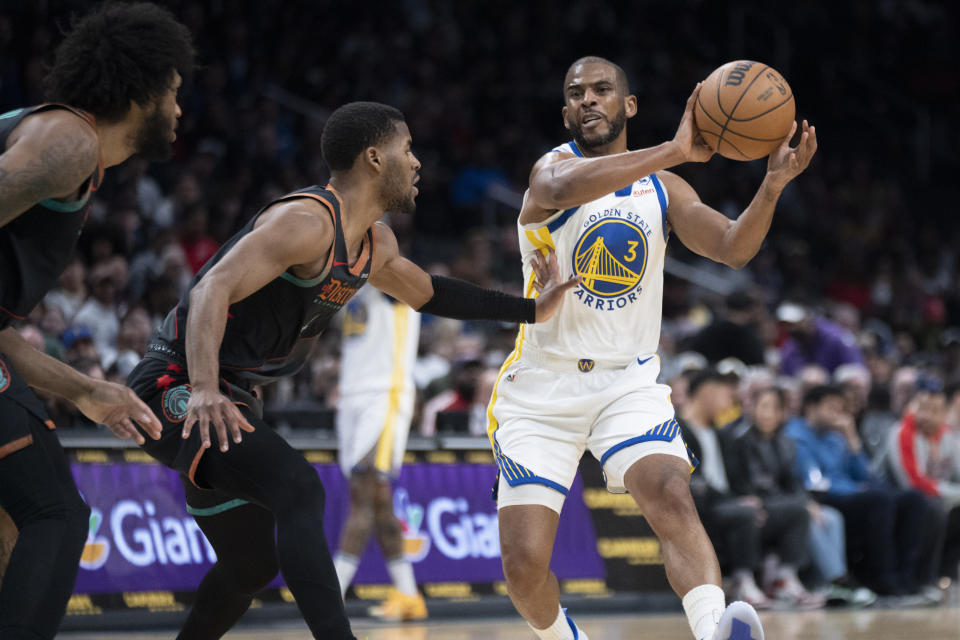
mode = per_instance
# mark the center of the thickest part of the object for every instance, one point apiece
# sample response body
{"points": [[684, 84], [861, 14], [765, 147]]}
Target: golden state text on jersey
{"points": [[616, 244]]}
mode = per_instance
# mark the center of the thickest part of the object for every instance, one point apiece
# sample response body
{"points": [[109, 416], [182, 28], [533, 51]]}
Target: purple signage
{"points": [[141, 537]]}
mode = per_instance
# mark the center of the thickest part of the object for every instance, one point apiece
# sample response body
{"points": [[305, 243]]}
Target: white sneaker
{"points": [[739, 622]]}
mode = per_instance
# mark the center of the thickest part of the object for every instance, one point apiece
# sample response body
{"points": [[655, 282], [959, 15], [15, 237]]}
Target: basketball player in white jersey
{"points": [[586, 379], [377, 393]]}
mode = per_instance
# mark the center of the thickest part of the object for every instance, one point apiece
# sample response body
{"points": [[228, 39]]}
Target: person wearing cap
{"points": [[812, 339], [742, 526], [735, 335]]}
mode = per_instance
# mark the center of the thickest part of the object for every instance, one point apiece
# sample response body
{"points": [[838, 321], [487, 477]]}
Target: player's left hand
{"points": [[116, 406], [549, 285], [786, 163]]}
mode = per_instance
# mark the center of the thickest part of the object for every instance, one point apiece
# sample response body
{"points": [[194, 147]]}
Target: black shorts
{"points": [[19, 406], [165, 387]]}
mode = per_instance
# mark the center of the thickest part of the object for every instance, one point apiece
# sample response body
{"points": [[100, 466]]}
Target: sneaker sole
{"points": [[739, 622]]}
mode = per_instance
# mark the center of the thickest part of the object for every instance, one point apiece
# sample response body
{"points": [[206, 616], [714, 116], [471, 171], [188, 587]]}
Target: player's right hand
{"points": [[209, 406], [688, 140], [117, 407], [549, 285]]}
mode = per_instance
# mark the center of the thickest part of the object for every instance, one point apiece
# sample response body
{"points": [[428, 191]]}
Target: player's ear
{"points": [[630, 105], [373, 158], [563, 113]]}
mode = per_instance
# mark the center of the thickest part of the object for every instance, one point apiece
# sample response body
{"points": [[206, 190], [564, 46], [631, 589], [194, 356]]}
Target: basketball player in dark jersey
{"points": [[251, 316], [113, 91]]}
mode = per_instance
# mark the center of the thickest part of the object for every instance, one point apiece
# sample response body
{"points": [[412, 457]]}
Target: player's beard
{"points": [[397, 192], [152, 139], [617, 123]]}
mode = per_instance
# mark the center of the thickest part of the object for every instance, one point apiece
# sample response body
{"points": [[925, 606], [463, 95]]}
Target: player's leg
{"points": [[405, 602], [357, 528], [242, 534], [527, 533], [8, 538], [38, 492], [638, 443], [267, 471]]}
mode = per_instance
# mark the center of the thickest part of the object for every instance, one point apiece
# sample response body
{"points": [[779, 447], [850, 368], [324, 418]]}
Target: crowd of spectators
{"points": [[843, 335]]}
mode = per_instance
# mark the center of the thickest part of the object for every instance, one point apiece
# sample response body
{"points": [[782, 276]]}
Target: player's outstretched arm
{"points": [[48, 155], [103, 402], [708, 232], [398, 277], [291, 234], [563, 180]]}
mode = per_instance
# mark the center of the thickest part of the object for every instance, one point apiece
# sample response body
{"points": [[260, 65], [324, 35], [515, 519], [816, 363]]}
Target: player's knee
{"points": [[256, 573], [524, 566], [670, 498], [303, 490]]}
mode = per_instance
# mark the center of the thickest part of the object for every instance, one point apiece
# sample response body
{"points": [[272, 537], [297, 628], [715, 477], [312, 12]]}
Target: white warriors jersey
{"points": [[617, 245], [380, 338]]}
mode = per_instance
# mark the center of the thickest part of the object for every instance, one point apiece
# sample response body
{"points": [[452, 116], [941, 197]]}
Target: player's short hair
{"points": [[623, 84], [354, 127], [117, 53]]}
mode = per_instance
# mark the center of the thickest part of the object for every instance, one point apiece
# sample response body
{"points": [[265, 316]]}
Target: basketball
{"points": [[744, 110]]}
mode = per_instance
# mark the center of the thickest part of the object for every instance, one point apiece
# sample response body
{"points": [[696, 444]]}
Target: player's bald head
{"points": [[623, 85]]}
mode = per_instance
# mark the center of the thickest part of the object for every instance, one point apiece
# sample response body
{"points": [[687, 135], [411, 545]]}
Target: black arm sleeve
{"points": [[458, 299]]}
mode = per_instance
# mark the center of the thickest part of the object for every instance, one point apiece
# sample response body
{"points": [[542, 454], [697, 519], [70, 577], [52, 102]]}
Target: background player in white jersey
{"points": [[587, 378], [377, 394]]}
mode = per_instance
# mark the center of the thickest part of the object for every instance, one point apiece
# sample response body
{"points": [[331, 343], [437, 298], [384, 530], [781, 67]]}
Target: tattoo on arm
{"points": [[57, 170]]}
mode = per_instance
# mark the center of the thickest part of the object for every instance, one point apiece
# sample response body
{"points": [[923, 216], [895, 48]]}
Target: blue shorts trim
{"points": [[664, 432]]}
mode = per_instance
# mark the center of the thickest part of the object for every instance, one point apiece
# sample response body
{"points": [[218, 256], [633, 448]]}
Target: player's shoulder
{"points": [[58, 128], [306, 218]]}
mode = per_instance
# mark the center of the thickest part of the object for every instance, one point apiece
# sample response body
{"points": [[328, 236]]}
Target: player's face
{"points": [[401, 174], [595, 109], [158, 128]]}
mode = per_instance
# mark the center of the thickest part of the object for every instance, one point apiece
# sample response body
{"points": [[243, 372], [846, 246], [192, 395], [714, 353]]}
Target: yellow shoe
{"points": [[399, 606]]}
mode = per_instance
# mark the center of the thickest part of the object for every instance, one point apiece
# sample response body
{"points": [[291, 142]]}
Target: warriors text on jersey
{"points": [[617, 245], [270, 333], [37, 246]]}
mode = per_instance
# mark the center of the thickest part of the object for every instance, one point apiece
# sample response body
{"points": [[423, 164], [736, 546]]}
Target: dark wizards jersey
{"points": [[38, 244], [270, 333]]}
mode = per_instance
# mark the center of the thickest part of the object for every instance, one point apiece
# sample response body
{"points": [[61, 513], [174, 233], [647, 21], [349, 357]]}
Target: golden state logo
{"points": [[175, 403], [611, 258]]}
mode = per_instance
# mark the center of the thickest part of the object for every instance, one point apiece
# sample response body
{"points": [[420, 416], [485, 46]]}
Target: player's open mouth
{"points": [[591, 120]]}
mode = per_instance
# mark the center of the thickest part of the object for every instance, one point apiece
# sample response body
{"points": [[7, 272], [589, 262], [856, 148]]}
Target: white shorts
{"points": [[372, 430], [545, 413]]}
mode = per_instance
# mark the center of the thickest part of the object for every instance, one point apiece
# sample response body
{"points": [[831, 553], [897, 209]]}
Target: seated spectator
{"points": [[814, 340], [72, 291], [461, 396], [924, 454], [762, 462], [99, 312], [741, 526], [735, 335], [891, 533]]}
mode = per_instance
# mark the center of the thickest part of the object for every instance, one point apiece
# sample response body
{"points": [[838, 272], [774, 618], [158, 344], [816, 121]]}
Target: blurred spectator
{"points": [[740, 526], [99, 312], [736, 335], [71, 293], [78, 344], [762, 462], [893, 532], [462, 396], [195, 239], [132, 340], [924, 454], [813, 339]]}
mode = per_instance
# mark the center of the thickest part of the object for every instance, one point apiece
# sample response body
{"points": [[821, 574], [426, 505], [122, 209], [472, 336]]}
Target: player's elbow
{"points": [[737, 261], [552, 192]]}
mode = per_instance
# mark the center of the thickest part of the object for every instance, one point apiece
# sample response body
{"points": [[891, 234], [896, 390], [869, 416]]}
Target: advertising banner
{"points": [[142, 539]]}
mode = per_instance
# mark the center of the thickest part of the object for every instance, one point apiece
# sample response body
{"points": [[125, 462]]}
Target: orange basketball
{"points": [[745, 109]]}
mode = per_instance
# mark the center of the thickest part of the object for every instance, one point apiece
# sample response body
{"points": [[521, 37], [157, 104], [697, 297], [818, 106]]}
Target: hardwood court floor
{"points": [[941, 623]]}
